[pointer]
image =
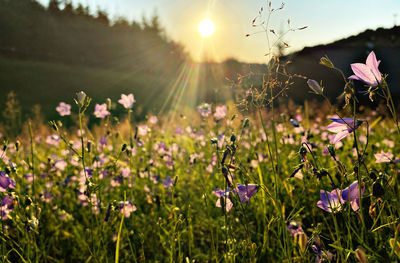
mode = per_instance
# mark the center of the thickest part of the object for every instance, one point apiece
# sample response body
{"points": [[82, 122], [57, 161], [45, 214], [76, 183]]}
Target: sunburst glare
{"points": [[206, 27]]}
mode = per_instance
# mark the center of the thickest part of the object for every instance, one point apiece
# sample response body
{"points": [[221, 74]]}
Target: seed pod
{"points": [[233, 137], [176, 180], [89, 146], [17, 145], [81, 96], [246, 123], [123, 147], [361, 256], [108, 213], [325, 61], [314, 86]]}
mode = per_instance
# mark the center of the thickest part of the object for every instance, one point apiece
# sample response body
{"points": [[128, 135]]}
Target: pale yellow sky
{"points": [[327, 21]]}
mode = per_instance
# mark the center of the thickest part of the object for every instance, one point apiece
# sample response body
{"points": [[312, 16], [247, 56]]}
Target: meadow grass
{"points": [[68, 189]]}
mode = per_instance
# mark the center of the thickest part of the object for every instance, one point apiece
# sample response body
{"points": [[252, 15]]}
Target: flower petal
{"points": [[339, 136], [373, 64], [364, 73]]}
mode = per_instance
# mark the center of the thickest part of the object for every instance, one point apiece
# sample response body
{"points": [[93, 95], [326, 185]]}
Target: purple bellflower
{"points": [[100, 111], [333, 201], [352, 194], [168, 182], [295, 228], [64, 109], [204, 109], [6, 182], [221, 194], [342, 127], [330, 201], [383, 157], [368, 72], [127, 101], [245, 192], [220, 112]]}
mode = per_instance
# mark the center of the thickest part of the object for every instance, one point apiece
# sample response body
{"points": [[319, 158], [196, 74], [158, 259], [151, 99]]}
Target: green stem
{"points": [[32, 161], [270, 154], [393, 109], [119, 231]]}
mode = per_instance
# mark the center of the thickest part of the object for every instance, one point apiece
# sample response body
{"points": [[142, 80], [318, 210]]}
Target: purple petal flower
{"points": [[220, 112], [342, 127], [351, 194], [4, 183], [369, 72], [322, 255], [64, 109], [221, 194], [100, 111], [129, 208], [103, 140], [7, 202], [228, 203], [127, 101], [218, 192], [204, 109], [245, 192], [330, 201], [168, 182], [295, 228], [125, 172], [383, 157]]}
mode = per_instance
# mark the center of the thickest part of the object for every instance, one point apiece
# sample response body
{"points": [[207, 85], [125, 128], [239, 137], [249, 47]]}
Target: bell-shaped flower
{"points": [[330, 201], [368, 72], [342, 127], [100, 111], [352, 194], [6, 182], [245, 192], [383, 157], [64, 109], [223, 195], [127, 101]]}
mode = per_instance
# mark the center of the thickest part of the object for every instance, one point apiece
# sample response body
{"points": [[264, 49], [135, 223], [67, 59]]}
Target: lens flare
{"points": [[206, 27]]}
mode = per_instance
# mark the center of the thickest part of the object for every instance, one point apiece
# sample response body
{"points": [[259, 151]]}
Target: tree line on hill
{"points": [[68, 34]]}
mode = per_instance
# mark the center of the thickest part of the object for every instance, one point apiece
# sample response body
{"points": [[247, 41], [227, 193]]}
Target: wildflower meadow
{"points": [[250, 179]]}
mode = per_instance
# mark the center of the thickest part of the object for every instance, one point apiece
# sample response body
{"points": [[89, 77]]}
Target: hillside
{"points": [[354, 49]]}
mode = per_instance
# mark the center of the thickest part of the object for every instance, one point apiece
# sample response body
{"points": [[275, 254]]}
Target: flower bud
{"points": [[302, 241], [89, 146], [314, 86], [17, 145], [176, 180], [81, 98], [53, 125], [246, 123], [123, 147], [361, 256], [325, 61], [233, 137]]}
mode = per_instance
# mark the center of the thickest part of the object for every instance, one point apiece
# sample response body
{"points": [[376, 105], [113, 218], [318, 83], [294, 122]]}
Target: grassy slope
{"points": [[48, 83]]}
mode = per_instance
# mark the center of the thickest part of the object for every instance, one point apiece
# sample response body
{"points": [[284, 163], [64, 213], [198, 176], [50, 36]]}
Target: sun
{"points": [[206, 27]]}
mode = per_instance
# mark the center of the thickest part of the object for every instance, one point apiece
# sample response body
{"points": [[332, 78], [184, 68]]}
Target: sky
{"points": [[326, 21]]}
